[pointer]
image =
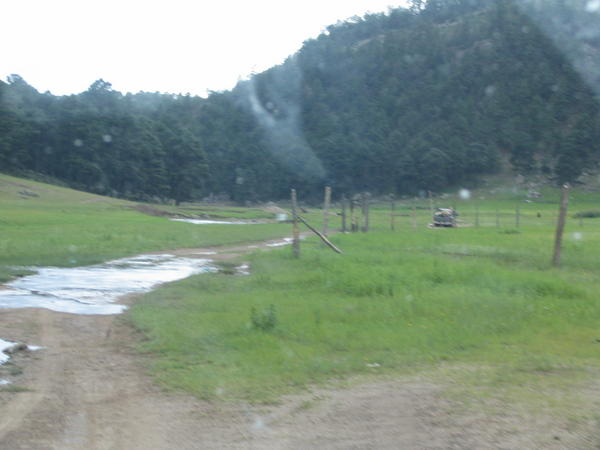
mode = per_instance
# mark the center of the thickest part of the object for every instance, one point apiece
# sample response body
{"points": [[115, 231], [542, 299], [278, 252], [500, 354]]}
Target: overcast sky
{"points": [[175, 46]]}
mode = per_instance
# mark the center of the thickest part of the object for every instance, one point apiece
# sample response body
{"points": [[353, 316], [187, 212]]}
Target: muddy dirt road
{"points": [[87, 389]]}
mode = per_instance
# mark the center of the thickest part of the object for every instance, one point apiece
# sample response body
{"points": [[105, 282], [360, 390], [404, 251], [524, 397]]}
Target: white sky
{"points": [[175, 46]]}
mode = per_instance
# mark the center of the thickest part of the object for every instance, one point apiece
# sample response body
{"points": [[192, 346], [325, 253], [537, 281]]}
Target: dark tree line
{"points": [[423, 98]]}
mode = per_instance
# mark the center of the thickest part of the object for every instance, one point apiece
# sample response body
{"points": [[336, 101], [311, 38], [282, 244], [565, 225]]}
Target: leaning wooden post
{"points": [[560, 226], [477, 216], [323, 238], [295, 228], [326, 203], [517, 216], [344, 208]]}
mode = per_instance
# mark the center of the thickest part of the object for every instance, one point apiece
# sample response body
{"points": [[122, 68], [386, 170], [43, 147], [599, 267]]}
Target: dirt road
{"points": [[87, 389]]}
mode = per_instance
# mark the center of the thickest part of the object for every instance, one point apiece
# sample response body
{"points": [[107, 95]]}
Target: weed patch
{"points": [[587, 214], [265, 319], [13, 388]]}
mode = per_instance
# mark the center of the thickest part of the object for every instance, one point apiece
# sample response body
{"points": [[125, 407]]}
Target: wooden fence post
{"points": [[560, 226], [344, 208], [497, 218], [368, 215], [393, 213], [414, 217], [326, 203], [365, 213], [323, 238], [295, 228], [477, 216], [353, 225], [517, 216], [431, 203]]}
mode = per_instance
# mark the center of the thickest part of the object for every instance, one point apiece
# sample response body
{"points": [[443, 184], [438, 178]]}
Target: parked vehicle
{"points": [[444, 217]]}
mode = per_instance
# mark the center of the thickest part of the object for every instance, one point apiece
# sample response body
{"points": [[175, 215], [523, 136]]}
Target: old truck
{"points": [[444, 217]]}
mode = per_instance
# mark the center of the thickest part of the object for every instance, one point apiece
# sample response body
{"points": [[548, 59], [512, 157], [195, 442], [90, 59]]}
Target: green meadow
{"points": [[42, 225], [476, 306], [412, 300]]}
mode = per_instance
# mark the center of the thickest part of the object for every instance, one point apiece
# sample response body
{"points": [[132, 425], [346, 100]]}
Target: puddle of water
{"points": [[5, 357], [3, 346], [215, 222], [285, 241], [7, 344], [94, 289], [244, 269]]}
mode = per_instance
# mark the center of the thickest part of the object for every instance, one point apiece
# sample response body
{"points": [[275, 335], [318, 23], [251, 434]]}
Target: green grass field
{"points": [[412, 299], [44, 225], [415, 299]]}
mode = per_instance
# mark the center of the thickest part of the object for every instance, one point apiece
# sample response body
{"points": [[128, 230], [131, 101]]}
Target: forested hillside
{"points": [[424, 98]]}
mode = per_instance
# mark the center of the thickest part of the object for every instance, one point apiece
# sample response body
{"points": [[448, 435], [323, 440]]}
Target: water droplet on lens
{"points": [[465, 194], [592, 6], [490, 90]]}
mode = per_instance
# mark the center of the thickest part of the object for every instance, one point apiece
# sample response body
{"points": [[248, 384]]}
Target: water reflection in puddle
{"points": [[285, 241], [216, 222], [4, 357], [94, 289], [3, 346]]}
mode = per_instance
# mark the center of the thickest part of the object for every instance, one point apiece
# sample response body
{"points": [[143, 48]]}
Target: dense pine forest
{"points": [[423, 98]]}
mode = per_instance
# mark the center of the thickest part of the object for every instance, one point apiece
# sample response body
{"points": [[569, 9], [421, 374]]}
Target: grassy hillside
{"points": [[43, 225]]}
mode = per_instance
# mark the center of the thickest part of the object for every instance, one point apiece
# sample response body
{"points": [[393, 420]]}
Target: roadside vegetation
{"points": [[479, 306]]}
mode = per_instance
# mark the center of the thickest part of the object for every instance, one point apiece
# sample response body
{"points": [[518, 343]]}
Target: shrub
{"points": [[592, 214], [264, 320]]}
